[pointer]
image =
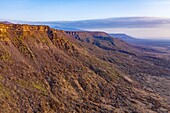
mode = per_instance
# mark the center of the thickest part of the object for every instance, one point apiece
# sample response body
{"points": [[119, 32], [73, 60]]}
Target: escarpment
{"points": [[48, 70]]}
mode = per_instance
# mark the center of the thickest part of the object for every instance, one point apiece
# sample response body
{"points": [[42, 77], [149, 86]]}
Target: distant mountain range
{"points": [[142, 27], [128, 22], [121, 22], [115, 23]]}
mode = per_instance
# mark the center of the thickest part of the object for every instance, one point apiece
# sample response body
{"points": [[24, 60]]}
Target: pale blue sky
{"points": [[57, 10]]}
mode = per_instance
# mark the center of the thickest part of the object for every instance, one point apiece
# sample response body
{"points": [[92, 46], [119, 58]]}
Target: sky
{"points": [[67, 10], [71, 10]]}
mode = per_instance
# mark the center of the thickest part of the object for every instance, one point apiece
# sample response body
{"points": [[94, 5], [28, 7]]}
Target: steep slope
{"points": [[148, 66], [47, 70], [100, 44]]}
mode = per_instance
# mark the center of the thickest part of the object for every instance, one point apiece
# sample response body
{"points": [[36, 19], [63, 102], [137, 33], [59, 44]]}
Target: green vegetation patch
{"points": [[4, 92], [45, 41], [62, 43], [36, 85], [23, 47], [39, 86], [5, 55]]}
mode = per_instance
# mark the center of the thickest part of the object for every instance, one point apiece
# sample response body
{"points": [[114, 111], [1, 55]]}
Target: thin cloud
{"points": [[165, 2]]}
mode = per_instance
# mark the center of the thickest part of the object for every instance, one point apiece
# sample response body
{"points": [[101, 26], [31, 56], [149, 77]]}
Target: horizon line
{"points": [[156, 17]]}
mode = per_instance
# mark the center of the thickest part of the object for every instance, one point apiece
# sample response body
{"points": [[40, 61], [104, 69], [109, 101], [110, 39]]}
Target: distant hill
{"points": [[6, 22], [125, 37], [148, 42]]}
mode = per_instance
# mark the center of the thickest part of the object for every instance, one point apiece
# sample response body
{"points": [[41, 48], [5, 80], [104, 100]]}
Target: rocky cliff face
{"points": [[17, 27], [47, 70]]}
